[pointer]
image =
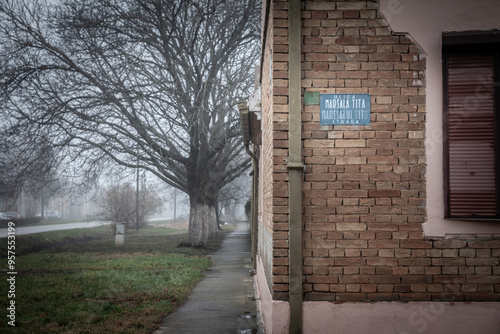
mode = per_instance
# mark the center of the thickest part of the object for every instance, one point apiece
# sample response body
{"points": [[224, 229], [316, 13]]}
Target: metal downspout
{"points": [[254, 206], [295, 167]]}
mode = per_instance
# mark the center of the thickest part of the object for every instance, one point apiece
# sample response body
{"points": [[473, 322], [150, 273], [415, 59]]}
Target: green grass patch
{"points": [[90, 286], [166, 221]]}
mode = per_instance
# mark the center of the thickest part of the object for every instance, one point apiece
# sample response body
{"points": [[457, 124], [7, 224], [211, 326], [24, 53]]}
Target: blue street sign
{"points": [[344, 109]]}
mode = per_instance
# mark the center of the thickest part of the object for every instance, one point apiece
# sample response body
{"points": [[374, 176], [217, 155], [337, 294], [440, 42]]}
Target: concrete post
{"points": [[120, 235]]}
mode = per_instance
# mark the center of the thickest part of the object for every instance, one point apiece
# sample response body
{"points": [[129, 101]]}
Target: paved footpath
{"points": [[223, 302]]}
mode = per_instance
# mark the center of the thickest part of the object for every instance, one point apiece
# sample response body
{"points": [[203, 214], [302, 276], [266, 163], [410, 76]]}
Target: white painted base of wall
{"points": [[379, 317], [402, 318], [274, 312]]}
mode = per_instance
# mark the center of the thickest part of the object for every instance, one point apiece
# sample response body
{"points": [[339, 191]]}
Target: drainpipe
{"points": [[295, 167], [254, 205]]}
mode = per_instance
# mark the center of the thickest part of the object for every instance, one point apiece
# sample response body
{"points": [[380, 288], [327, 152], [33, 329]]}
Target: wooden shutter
{"points": [[471, 136]]}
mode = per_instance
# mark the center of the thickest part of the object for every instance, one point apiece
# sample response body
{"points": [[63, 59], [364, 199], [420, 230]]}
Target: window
{"points": [[471, 73]]}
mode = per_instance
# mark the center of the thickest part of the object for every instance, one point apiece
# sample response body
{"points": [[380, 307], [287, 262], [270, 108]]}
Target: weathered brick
{"points": [[448, 270], [482, 261], [384, 193], [384, 57], [353, 287], [415, 262], [382, 261], [315, 6], [407, 297], [350, 160], [483, 252], [351, 226], [352, 193], [350, 143], [481, 296], [416, 244], [483, 270], [452, 244], [351, 5], [350, 296], [351, 244], [383, 75], [385, 279], [481, 279], [321, 279], [493, 244], [318, 262], [467, 252]]}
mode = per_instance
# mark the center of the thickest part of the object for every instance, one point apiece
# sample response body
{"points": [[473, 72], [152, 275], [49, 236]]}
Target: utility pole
{"points": [[137, 197], [23, 205], [175, 205]]}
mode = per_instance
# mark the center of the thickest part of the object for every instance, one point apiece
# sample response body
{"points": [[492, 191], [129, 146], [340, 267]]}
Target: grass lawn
{"points": [[87, 286]]}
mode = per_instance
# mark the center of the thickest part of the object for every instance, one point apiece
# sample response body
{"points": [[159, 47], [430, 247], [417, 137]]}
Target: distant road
{"points": [[48, 228]]}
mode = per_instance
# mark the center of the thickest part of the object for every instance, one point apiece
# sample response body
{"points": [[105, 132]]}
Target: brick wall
{"points": [[364, 186], [272, 178]]}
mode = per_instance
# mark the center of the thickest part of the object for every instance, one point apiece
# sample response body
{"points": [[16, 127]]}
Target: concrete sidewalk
{"points": [[223, 302]]}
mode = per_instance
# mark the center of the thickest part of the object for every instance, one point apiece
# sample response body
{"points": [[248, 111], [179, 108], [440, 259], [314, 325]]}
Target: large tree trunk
{"points": [[202, 222]]}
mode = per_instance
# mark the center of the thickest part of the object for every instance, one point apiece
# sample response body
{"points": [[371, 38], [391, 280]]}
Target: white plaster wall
{"points": [[274, 312], [401, 318], [425, 20]]}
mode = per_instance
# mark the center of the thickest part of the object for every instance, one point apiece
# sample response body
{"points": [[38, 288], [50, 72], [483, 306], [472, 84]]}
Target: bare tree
{"points": [[117, 203], [27, 162], [143, 83], [233, 194]]}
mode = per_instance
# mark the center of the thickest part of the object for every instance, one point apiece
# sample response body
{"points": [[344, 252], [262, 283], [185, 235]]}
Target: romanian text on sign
{"points": [[345, 109]]}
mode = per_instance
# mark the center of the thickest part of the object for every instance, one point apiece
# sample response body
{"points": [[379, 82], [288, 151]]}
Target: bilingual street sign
{"points": [[344, 109]]}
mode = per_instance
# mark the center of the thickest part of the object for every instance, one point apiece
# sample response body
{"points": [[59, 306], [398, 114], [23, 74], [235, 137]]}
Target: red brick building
{"points": [[376, 194]]}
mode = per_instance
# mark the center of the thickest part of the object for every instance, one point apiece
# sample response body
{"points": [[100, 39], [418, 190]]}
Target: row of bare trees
{"points": [[27, 167], [151, 84]]}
